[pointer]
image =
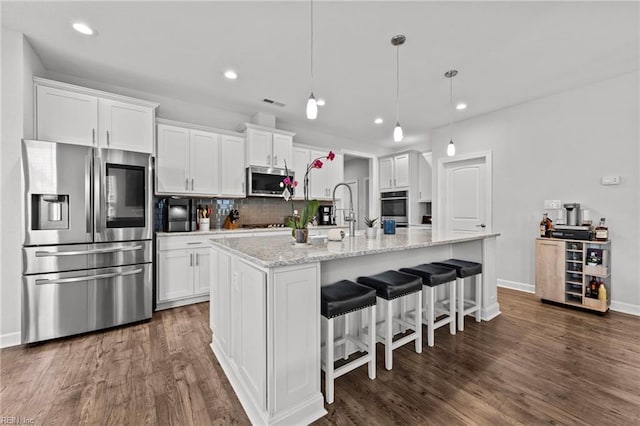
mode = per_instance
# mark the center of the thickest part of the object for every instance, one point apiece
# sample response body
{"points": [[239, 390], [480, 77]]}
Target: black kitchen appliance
{"points": [[325, 215], [180, 217], [394, 206], [572, 233]]}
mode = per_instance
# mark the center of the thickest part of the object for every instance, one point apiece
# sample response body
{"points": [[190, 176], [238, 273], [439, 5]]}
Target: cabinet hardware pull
{"points": [[192, 184], [268, 160], [197, 259], [93, 136], [107, 138], [195, 242], [186, 183], [275, 160], [190, 259], [394, 182]]}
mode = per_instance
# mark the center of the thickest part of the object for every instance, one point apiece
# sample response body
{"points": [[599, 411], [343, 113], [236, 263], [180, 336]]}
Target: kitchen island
{"points": [[265, 307]]}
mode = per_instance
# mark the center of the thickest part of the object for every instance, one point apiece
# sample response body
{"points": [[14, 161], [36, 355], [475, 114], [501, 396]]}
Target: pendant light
{"points": [[398, 41], [312, 104], [451, 148]]}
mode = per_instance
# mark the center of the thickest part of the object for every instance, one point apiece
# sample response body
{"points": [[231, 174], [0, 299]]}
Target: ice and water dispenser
{"points": [[49, 211]]}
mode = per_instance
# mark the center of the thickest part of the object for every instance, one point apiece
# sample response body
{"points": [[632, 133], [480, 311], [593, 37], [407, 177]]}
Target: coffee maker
{"points": [[325, 215]]}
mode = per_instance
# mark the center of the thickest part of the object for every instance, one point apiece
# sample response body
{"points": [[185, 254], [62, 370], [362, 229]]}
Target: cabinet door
{"points": [[64, 116], [201, 271], [386, 173], [282, 147], [175, 274], [232, 168], [259, 147], [299, 166], [424, 176], [401, 171], [252, 332], [205, 157], [318, 178], [125, 126], [335, 174], [550, 270], [172, 160]]}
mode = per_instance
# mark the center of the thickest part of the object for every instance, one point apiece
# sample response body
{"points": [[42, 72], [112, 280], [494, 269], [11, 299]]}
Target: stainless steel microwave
{"points": [[266, 181]]}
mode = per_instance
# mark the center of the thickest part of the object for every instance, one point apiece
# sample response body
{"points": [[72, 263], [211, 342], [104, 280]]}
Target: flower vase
{"points": [[371, 232], [301, 235]]}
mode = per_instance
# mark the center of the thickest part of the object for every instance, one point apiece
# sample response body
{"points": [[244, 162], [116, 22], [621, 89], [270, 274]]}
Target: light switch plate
{"points": [[610, 180], [552, 204]]}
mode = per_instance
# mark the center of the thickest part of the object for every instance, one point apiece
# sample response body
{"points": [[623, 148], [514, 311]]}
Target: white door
{"points": [[282, 146], [64, 116], [232, 168], [125, 126], [299, 166], [201, 276], [386, 173], [175, 274], [205, 157], [401, 171], [259, 147], [466, 194], [172, 160], [424, 176]]}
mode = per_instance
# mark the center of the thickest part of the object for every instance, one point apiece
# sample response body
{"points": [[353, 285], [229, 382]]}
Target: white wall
{"points": [[19, 63], [559, 147]]}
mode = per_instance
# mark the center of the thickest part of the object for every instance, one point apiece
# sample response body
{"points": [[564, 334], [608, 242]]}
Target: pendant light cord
{"points": [[397, 83], [311, 46], [451, 107]]}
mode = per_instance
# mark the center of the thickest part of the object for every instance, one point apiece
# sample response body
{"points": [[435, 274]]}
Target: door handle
{"points": [[88, 278], [107, 138], [482, 225]]}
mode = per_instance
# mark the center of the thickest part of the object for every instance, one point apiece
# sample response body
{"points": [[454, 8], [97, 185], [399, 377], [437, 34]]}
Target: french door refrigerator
{"points": [[87, 253]]}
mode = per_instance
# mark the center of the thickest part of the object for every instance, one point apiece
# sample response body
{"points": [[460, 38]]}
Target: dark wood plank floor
{"points": [[534, 364]]}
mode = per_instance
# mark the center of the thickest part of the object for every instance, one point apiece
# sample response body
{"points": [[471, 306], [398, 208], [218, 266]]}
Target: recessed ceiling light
{"points": [[461, 106], [378, 120], [321, 102], [83, 28], [231, 74]]}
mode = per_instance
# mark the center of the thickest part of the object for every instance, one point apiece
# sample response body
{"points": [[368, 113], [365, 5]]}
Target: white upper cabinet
{"points": [[299, 167], [64, 116], [268, 147], [232, 169], [323, 180], [394, 172], [82, 116], [125, 126], [195, 161], [425, 177], [172, 160]]}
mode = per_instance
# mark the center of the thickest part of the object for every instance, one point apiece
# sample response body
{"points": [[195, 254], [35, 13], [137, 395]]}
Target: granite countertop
{"points": [[241, 231], [280, 250]]}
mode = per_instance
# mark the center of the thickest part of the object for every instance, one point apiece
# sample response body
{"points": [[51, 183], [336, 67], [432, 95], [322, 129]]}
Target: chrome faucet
{"points": [[349, 217]]}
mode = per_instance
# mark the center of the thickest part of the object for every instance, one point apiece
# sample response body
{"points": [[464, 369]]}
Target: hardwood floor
{"points": [[534, 364]]}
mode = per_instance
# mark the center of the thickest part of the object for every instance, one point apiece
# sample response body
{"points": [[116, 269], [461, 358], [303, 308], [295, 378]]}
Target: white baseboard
{"points": [[9, 339], [514, 285], [625, 308]]}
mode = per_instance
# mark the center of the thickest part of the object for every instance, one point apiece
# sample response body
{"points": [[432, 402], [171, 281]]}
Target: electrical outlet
{"points": [[610, 180], [552, 204]]}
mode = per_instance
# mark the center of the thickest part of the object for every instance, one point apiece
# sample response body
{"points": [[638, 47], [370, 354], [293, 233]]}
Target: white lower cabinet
{"points": [[184, 271]]}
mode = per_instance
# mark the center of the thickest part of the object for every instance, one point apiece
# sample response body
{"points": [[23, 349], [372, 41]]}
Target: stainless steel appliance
{"points": [[394, 206], [87, 256], [180, 215], [325, 215], [266, 181], [573, 214]]}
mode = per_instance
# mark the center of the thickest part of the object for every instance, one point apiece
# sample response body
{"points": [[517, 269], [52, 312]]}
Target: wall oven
{"points": [[87, 256], [394, 206]]}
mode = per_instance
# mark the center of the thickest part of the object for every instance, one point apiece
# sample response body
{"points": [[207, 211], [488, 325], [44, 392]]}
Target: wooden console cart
{"points": [[564, 269]]}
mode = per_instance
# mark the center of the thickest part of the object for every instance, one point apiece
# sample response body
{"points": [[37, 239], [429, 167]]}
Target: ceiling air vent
{"points": [[272, 102]]}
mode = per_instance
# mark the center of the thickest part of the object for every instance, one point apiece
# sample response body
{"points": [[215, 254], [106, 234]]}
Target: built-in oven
{"points": [[394, 206]]}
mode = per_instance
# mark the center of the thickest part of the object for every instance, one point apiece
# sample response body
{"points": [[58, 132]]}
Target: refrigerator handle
{"points": [[98, 196], [88, 277], [88, 199]]}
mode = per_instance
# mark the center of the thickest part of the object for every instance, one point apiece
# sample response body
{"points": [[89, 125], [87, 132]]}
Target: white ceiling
{"points": [[506, 53]]}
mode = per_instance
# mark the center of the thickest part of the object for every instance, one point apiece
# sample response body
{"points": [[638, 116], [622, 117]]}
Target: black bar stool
{"points": [[339, 299], [432, 277], [465, 269], [392, 285]]}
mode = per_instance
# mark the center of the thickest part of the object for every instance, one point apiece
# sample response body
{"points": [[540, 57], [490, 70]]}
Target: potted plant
{"points": [[371, 230], [299, 223]]}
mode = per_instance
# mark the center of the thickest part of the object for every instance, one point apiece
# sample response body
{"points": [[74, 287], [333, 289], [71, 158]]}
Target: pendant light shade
{"points": [[451, 148], [397, 133], [312, 107], [398, 41]]}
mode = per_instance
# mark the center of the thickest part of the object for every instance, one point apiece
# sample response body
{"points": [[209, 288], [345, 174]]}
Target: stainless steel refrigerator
{"points": [[87, 253]]}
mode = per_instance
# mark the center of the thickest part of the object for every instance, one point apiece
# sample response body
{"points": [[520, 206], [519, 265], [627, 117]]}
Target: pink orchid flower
{"points": [[287, 181], [317, 164], [331, 156]]}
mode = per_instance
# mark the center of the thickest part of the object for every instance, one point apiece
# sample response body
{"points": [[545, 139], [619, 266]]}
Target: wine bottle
{"points": [[543, 226], [602, 232]]}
